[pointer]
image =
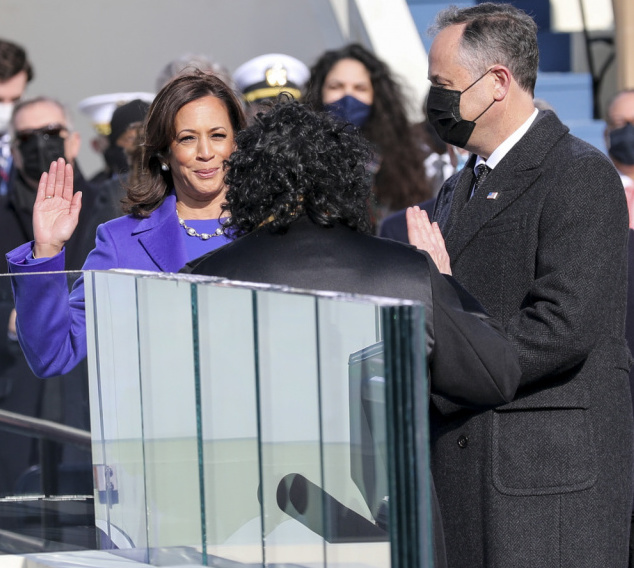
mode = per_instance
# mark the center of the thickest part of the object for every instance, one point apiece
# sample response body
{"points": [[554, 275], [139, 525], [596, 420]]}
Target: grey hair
{"points": [[188, 63], [542, 104], [608, 107], [495, 34], [21, 105]]}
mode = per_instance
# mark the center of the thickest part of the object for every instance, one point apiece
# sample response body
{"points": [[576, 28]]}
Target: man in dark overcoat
{"points": [[541, 240]]}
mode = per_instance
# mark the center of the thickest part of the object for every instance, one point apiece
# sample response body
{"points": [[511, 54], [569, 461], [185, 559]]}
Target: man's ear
{"points": [[71, 147], [503, 78]]}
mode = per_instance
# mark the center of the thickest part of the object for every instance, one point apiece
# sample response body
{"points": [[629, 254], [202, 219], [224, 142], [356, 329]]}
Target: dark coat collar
{"points": [[517, 171]]}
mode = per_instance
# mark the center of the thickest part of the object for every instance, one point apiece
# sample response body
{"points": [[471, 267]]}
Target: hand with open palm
{"points": [[426, 236], [56, 210]]}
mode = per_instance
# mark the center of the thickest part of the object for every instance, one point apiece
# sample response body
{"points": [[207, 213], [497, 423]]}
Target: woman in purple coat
{"points": [[175, 215]]}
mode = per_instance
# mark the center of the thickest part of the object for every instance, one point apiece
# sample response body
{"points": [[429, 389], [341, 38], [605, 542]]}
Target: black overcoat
{"points": [[545, 480], [465, 351]]}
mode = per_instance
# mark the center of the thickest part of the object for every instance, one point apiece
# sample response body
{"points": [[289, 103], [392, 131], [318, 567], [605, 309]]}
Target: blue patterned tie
{"points": [[482, 171]]}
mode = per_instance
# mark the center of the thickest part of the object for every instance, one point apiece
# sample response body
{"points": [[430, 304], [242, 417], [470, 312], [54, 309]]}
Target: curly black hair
{"points": [[401, 180], [294, 161]]}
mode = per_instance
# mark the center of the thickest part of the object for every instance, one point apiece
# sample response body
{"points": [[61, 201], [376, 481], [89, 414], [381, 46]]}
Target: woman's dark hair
{"points": [[400, 180], [149, 184], [294, 161]]}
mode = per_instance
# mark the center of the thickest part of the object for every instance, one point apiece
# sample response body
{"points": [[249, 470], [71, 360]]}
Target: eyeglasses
{"points": [[45, 132]]}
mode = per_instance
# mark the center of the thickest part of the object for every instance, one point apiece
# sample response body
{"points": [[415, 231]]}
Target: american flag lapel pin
{"points": [[492, 195]]}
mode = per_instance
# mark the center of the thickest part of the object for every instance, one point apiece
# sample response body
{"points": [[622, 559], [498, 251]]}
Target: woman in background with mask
{"points": [[354, 85]]}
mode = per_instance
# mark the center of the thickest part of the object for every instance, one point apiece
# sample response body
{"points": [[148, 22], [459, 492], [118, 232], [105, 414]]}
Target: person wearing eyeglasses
{"points": [[41, 132]]}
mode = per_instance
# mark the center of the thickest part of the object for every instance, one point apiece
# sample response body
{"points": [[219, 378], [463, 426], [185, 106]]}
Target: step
{"points": [[570, 94]]}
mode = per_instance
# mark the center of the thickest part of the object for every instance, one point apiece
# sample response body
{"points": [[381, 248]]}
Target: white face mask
{"points": [[461, 158], [6, 109]]}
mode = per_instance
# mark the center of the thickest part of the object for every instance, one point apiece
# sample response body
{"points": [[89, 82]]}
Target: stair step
{"points": [[570, 94]]}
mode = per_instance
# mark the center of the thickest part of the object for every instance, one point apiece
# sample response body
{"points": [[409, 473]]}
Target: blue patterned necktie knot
{"points": [[482, 171]]}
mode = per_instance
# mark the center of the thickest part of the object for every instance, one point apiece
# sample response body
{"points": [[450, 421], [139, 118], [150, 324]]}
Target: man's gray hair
{"points": [[608, 107], [23, 104], [189, 63], [495, 34]]}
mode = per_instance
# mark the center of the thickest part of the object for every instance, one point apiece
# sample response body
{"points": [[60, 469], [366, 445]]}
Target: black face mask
{"points": [[38, 150], [622, 144], [443, 112], [116, 159]]}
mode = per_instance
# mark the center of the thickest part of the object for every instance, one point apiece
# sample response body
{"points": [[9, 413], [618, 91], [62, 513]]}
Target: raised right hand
{"points": [[426, 236], [56, 210]]}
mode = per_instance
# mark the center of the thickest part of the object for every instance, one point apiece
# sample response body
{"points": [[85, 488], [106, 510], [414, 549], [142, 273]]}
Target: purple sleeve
{"points": [[51, 322]]}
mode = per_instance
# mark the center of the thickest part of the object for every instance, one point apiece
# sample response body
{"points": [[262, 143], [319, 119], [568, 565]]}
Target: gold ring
{"points": [[49, 197]]}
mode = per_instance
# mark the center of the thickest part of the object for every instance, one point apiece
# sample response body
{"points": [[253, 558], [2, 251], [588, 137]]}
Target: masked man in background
{"points": [[40, 133]]}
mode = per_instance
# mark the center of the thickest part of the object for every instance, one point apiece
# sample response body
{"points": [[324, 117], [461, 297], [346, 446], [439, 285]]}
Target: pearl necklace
{"points": [[194, 233]]}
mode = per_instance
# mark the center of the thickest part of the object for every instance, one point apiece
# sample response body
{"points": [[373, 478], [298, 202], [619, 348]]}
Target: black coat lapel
{"points": [[517, 171], [453, 196], [496, 193]]}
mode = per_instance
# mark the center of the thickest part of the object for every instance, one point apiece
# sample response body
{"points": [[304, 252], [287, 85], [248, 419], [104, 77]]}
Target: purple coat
{"points": [[52, 330]]}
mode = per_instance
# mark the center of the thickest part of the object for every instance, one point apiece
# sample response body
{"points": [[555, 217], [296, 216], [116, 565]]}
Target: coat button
{"points": [[463, 441]]}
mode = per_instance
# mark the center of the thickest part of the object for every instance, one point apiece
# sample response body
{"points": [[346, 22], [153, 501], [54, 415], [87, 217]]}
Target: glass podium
{"points": [[237, 424]]}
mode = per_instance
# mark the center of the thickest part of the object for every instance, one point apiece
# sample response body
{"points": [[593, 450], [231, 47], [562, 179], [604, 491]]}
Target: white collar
{"points": [[504, 148]]}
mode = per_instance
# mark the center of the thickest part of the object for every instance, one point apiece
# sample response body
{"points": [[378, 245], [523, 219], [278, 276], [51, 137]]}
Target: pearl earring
{"points": [[165, 167]]}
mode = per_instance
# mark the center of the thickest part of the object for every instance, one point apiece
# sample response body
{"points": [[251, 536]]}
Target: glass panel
{"points": [[148, 481], [406, 407], [170, 418], [354, 432], [287, 373], [46, 489], [229, 423], [117, 429], [249, 424]]}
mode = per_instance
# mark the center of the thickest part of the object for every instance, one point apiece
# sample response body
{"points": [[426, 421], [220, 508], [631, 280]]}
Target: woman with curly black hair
{"points": [[356, 86], [297, 193], [295, 163]]}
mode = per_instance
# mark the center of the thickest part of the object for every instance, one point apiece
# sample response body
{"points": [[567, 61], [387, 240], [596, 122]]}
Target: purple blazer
{"points": [[52, 329]]}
